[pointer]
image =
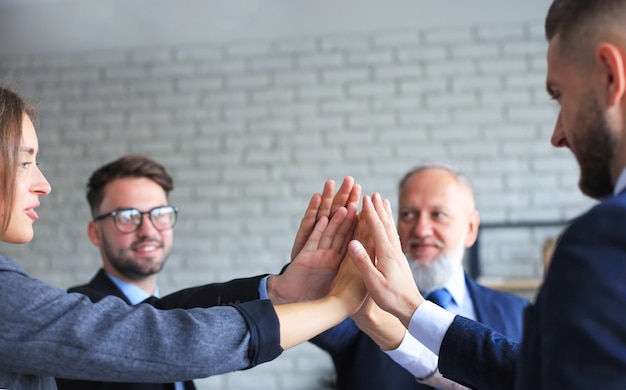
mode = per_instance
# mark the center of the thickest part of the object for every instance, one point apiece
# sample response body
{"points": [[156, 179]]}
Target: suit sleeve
{"points": [[214, 294], [477, 356]]}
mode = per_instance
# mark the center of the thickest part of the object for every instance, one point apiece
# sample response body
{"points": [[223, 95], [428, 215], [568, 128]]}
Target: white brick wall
{"points": [[250, 130]]}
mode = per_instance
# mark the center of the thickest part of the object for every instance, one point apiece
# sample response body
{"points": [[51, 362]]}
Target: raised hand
{"points": [[325, 205], [387, 275], [301, 321], [310, 274]]}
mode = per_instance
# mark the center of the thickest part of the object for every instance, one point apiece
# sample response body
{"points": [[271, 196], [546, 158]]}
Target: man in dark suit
{"points": [[132, 227], [437, 221], [575, 333]]}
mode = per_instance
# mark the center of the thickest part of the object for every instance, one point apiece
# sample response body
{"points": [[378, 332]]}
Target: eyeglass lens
{"points": [[130, 219]]}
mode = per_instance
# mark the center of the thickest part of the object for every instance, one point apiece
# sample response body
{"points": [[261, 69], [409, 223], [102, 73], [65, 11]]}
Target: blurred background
{"points": [[252, 105]]}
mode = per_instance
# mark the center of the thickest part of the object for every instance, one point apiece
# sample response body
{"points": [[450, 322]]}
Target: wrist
{"points": [[273, 290], [406, 311]]}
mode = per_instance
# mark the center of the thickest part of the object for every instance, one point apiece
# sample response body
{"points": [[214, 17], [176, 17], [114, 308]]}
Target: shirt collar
{"points": [[621, 183], [133, 293]]}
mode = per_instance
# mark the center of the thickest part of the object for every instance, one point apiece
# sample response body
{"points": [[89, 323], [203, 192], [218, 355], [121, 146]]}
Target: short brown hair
{"points": [[578, 22], [130, 166]]}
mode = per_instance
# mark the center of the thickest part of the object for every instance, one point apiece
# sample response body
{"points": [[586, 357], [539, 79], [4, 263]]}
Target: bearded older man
{"points": [[437, 221]]}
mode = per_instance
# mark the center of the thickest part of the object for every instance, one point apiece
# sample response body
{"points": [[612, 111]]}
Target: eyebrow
{"points": [[26, 149]]}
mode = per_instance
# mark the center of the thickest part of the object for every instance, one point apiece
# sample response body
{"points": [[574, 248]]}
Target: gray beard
{"points": [[435, 274]]}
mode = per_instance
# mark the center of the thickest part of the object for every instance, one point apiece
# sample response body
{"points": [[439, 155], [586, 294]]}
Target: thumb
{"points": [[361, 258]]}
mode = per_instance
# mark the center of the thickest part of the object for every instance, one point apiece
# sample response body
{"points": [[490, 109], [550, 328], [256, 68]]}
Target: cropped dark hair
{"points": [[577, 22], [130, 166]]}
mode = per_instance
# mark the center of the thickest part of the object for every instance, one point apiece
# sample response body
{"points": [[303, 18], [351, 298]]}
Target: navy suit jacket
{"points": [[360, 363], [575, 333], [215, 294]]}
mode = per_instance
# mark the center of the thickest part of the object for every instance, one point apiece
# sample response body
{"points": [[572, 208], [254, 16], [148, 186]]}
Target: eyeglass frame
{"points": [[115, 212]]}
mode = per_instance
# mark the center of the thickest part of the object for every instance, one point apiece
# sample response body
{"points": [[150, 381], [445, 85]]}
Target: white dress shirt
{"points": [[418, 352]]}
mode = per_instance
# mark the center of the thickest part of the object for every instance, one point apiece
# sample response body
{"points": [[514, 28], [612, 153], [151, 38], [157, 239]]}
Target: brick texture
{"points": [[250, 130]]}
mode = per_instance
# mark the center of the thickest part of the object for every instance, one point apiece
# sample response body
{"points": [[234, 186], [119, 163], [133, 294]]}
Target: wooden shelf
{"points": [[511, 284]]}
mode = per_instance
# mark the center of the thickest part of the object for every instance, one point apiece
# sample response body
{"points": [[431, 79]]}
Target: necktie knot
{"points": [[440, 297]]}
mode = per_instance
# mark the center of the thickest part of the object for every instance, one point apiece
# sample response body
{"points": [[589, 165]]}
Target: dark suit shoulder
{"points": [[93, 294], [509, 301], [502, 311], [79, 289], [593, 242], [99, 286], [577, 324]]}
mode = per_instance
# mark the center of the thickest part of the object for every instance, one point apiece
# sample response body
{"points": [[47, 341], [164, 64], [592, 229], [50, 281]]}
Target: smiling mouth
{"points": [[147, 248]]}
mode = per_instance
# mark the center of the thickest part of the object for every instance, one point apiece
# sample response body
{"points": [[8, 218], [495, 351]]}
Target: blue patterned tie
{"points": [[440, 297]]}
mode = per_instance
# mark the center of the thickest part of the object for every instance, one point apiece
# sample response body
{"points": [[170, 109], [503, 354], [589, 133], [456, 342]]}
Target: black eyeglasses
{"points": [[130, 220]]}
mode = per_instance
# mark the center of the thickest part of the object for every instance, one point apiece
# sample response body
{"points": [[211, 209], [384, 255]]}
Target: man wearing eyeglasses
{"points": [[132, 226], [136, 237]]}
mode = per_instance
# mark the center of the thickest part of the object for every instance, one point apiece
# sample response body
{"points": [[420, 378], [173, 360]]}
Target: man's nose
{"points": [[423, 227], [558, 139], [147, 227]]}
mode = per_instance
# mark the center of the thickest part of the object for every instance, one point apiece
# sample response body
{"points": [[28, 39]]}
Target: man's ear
{"points": [[614, 79], [472, 233], [93, 231]]}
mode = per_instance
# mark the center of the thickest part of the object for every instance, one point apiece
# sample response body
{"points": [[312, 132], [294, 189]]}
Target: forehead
{"points": [[553, 54], [560, 71], [133, 192], [29, 136], [433, 186]]}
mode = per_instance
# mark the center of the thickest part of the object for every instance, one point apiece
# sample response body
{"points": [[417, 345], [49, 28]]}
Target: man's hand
{"points": [[382, 327], [315, 264], [325, 205], [387, 275]]}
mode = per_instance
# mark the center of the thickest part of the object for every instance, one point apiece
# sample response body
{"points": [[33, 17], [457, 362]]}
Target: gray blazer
{"points": [[46, 332]]}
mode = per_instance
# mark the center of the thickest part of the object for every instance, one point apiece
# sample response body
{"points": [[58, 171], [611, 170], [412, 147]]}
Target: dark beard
{"points": [[127, 266], [595, 150]]}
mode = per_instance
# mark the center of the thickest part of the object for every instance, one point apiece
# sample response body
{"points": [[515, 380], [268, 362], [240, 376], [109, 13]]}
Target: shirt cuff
{"points": [[429, 325], [263, 288], [414, 357]]}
